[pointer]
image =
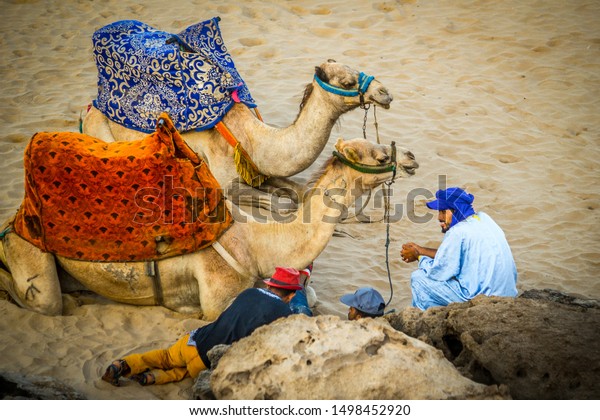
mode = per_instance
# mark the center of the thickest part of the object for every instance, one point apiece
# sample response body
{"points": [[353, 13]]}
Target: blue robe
{"points": [[474, 258]]}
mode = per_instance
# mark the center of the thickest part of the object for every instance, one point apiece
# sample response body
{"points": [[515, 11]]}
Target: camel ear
{"points": [[321, 74], [351, 154]]}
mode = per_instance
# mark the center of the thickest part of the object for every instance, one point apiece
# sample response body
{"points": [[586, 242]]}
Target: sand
{"points": [[501, 98]]}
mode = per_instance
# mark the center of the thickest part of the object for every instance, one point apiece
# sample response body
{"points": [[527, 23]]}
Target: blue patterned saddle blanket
{"points": [[143, 72]]}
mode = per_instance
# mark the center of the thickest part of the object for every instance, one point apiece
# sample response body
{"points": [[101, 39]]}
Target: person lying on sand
{"points": [[188, 356], [474, 257], [366, 302]]}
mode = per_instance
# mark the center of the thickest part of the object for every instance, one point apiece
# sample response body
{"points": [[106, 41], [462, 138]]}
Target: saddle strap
{"points": [[245, 167], [230, 260], [227, 135]]}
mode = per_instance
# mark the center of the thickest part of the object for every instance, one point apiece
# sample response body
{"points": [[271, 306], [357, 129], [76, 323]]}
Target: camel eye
{"points": [[380, 157], [347, 84]]}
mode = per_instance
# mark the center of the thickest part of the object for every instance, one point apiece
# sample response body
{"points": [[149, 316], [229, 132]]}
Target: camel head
{"points": [[355, 87], [371, 164]]}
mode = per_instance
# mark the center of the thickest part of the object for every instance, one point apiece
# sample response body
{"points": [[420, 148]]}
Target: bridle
{"points": [[376, 169], [364, 81], [363, 84], [370, 169]]}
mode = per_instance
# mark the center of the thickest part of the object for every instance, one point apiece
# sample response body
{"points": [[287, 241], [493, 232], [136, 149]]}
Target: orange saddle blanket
{"points": [[127, 201]]}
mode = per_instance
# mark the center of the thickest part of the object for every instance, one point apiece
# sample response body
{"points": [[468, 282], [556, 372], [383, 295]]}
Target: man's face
{"points": [[445, 219], [353, 314], [277, 291]]}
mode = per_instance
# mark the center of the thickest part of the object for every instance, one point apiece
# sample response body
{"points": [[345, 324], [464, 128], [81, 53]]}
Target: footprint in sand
{"points": [[506, 158], [354, 53], [228, 9], [361, 24], [251, 42], [488, 185], [299, 11], [321, 11], [326, 32]]}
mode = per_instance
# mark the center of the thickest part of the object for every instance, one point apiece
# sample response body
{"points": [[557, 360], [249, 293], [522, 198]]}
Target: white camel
{"points": [[276, 152], [206, 280]]}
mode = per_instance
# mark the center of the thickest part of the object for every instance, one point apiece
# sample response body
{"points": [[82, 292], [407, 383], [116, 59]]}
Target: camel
{"points": [[205, 281], [276, 152]]}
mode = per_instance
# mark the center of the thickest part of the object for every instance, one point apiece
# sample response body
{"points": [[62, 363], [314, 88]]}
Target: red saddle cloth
{"points": [[127, 201]]}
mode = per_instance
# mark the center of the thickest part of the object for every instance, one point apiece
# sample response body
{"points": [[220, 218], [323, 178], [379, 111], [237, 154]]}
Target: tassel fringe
{"points": [[246, 168]]}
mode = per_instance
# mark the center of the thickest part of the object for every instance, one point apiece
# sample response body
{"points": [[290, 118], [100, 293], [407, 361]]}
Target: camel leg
{"points": [[283, 187], [218, 285], [33, 279], [244, 195], [216, 296]]}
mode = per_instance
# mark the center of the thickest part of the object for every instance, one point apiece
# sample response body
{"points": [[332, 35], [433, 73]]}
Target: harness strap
{"points": [[230, 260], [227, 135], [5, 232], [157, 291], [363, 84], [368, 169], [245, 167]]}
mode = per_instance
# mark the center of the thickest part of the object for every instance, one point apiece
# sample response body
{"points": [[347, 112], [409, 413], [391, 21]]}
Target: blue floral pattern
{"points": [[143, 71]]}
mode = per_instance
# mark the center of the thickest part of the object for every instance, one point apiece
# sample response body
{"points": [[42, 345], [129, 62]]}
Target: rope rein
{"points": [[386, 217], [386, 193]]}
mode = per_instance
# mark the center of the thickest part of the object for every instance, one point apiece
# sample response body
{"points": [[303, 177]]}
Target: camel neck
{"points": [[299, 143], [303, 235]]}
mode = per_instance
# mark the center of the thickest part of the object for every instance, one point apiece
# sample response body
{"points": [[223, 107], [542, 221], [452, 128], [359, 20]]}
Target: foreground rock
{"points": [[14, 386], [327, 358], [543, 345]]}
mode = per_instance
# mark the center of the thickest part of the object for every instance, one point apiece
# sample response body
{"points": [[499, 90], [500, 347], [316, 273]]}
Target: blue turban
{"points": [[455, 199]]}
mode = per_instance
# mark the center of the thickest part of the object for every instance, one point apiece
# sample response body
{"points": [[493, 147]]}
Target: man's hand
{"points": [[410, 252]]}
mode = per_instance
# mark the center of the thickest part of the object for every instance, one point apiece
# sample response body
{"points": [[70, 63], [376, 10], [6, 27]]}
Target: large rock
{"points": [[326, 358], [15, 386], [543, 345]]}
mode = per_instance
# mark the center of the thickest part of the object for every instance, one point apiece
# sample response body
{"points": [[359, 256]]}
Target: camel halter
{"points": [[374, 169], [370, 169], [364, 81]]}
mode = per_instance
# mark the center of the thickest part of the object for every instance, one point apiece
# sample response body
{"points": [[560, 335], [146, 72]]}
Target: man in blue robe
{"points": [[474, 257]]}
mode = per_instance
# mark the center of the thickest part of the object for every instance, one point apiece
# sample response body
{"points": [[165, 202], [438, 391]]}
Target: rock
{"points": [[560, 297], [324, 357], [201, 389], [543, 344], [16, 386], [215, 354]]}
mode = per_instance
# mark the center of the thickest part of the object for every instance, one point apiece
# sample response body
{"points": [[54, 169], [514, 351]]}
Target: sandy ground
{"points": [[501, 98]]}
